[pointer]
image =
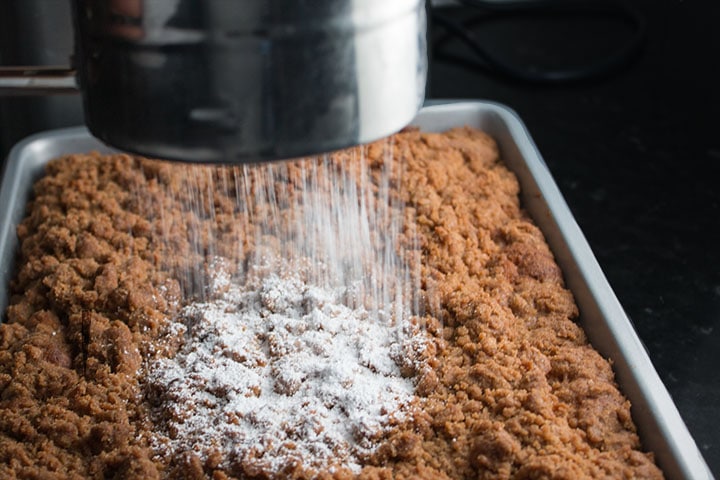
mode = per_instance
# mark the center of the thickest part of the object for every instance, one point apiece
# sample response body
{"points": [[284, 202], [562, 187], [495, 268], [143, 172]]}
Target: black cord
{"points": [[493, 10]]}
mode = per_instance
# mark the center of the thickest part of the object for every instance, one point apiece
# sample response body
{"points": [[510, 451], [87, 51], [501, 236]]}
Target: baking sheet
{"points": [[659, 424]]}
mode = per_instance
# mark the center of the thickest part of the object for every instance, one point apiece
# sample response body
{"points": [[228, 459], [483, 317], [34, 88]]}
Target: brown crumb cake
{"points": [[129, 350]]}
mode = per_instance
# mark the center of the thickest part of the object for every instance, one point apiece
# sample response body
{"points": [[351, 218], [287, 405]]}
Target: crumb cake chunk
{"points": [[177, 321]]}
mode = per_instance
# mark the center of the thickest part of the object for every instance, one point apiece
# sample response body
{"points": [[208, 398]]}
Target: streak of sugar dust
{"points": [[320, 248], [341, 216]]}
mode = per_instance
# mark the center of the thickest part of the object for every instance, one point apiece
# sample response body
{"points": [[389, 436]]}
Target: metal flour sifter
{"points": [[240, 81]]}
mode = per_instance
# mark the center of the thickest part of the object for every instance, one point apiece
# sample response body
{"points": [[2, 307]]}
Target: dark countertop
{"points": [[637, 157]]}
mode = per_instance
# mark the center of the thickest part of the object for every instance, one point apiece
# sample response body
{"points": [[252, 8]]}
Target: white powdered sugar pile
{"points": [[280, 372]]}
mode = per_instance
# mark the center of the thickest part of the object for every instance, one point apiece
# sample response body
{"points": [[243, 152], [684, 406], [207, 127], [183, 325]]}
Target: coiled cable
{"points": [[490, 11]]}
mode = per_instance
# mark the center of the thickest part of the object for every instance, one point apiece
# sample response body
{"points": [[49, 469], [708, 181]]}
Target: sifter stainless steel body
{"points": [[248, 80]]}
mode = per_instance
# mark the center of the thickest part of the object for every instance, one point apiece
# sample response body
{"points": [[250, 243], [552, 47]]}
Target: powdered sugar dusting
{"points": [[281, 372], [300, 352]]}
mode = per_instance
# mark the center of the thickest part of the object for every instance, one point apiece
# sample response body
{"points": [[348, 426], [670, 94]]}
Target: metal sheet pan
{"points": [[659, 424]]}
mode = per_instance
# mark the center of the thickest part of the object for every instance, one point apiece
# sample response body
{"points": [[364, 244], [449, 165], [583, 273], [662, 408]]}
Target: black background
{"points": [[637, 157]]}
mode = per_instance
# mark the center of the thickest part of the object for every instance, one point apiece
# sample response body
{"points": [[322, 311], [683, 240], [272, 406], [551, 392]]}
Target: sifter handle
{"points": [[33, 80]]}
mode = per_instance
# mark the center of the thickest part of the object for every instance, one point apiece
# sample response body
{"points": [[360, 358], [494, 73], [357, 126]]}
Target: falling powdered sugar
{"points": [[280, 374]]}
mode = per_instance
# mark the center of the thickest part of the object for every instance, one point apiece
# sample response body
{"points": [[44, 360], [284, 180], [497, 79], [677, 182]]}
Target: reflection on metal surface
{"points": [[37, 80], [224, 81]]}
